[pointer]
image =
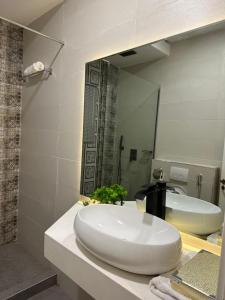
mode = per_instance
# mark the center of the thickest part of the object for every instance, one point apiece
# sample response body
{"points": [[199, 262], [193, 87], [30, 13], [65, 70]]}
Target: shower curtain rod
{"points": [[34, 31]]}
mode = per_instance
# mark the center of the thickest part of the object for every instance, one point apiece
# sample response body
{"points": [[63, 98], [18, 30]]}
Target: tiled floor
{"points": [[19, 270], [53, 293]]}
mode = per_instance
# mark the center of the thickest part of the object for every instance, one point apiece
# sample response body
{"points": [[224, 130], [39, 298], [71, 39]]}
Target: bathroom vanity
{"points": [[97, 278]]}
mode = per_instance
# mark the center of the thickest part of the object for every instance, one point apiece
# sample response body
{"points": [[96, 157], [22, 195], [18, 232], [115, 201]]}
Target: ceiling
{"points": [[26, 11]]}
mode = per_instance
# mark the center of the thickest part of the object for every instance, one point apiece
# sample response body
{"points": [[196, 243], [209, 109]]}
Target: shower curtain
{"points": [[100, 104], [11, 62]]}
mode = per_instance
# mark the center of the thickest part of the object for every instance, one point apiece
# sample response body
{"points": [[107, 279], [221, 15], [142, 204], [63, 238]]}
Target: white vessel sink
{"points": [[128, 239], [193, 215]]}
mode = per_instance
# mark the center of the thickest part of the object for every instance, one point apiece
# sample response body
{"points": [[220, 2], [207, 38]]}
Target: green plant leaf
{"points": [[109, 195]]}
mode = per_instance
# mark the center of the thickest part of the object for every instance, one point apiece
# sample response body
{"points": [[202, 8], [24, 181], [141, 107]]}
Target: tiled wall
{"points": [[11, 55], [52, 118], [91, 123], [106, 156], [100, 116]]}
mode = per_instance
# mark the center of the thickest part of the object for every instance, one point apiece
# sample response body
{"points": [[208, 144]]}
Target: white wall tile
{"points": [[189, 110], [40, 118], [31, 236], [88, 21], [41, 192], [70, 145], [68, 186], [39, 141], [180, 16], [205, 136], [71, 103], [39, 166], [69, 173], [66, 197], [33, 185], [43, 210]]}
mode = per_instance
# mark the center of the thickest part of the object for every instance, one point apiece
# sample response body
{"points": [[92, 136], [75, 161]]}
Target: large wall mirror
{"points": [[158, 111]]}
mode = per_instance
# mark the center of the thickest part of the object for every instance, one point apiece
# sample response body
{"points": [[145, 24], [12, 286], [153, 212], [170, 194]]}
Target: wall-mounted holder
{"points": [[44, 75]]}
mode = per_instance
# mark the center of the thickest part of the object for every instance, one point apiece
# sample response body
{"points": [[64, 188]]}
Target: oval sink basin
{"points": [[128, 239], [193, 215]]}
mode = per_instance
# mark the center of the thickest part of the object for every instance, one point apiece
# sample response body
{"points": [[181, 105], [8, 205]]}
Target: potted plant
{"points": [[109, 194]]}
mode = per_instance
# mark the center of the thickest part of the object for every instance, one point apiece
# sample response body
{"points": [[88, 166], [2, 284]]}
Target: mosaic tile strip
{"points": [[10, 117], [89, 172], [11, 196], [8, 230], [11, 78], [8, 183], [93, 74], [90, 157], [11, 31], [106, 132], [7, 43], [101, 83], [10, 95], [10, 66], [11, 59]]}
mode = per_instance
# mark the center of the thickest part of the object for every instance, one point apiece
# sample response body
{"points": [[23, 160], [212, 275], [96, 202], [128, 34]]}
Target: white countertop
{"points": [[97, 278]]}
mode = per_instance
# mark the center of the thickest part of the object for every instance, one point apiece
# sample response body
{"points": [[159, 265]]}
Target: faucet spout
{"points": [[154, 197]]}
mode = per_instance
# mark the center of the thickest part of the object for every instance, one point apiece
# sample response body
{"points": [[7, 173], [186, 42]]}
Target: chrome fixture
{"points": [[158, 174]]}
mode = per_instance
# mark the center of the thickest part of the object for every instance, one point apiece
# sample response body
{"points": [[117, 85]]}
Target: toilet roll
{"points": [[34, 68]]}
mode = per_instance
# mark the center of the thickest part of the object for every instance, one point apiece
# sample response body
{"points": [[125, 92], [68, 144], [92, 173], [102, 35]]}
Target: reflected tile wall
{"points": [[11, 55], [100, 105]]}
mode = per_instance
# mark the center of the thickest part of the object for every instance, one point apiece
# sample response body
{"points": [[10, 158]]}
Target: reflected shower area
{"points": [[120, 121]]}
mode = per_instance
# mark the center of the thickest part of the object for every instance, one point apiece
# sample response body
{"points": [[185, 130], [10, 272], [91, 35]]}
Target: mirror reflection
{"points": [[156, 113]]}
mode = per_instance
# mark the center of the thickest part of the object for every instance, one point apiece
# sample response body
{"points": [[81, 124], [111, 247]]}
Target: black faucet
{"points": [[155, 198]]}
